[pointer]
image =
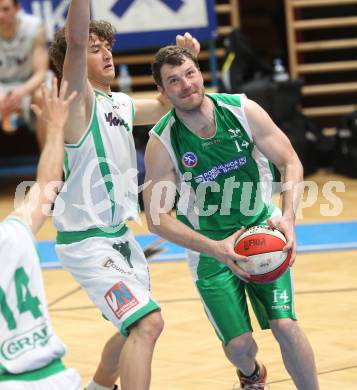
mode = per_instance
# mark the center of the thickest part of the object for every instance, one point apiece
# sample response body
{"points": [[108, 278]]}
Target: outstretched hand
{"points": [[55, 107], [189, 42]]}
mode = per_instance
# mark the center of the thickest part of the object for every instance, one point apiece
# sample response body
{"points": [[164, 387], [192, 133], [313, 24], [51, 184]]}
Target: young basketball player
{"points": [[100, 194]]}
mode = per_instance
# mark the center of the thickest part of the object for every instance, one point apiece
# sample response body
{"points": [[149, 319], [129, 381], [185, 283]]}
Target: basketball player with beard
{"points": [[214, 152]]}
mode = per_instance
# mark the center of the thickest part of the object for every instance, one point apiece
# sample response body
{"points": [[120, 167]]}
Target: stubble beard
{"points": [[193, 106]]}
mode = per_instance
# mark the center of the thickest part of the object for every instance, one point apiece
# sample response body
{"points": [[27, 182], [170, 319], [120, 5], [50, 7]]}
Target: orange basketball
{"points": [[264, 248]]}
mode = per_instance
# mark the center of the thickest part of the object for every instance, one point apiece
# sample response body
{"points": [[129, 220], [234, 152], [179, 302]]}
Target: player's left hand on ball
{"points": [[189, 42], [287, 228]]}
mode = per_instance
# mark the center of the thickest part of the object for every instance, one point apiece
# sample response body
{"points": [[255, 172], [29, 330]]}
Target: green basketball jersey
{"points": [[224, 182]]}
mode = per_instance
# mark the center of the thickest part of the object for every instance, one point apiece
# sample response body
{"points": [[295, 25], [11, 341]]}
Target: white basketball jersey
{"points": [[27, 340], [16, 54], [100, 187]]}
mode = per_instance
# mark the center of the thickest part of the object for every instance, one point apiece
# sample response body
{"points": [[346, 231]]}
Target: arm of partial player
{"points": [[159, 198], [38, 201], [275, 145]]}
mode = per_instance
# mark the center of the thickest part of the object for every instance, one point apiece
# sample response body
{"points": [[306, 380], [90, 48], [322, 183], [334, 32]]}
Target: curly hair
{"points": [[102, 29], [171, 55]]}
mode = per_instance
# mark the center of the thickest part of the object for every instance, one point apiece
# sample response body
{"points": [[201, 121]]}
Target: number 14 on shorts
{"points": [[280, 296]]}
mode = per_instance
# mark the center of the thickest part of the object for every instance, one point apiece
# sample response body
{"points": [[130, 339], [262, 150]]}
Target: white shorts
{"points": [[68, 379], [115, 275]]}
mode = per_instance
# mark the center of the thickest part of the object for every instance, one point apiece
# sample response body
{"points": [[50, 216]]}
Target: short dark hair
{"points": [[171, 55], [102, 29]]}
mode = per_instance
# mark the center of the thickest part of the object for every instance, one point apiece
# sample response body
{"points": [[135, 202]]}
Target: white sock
{"points": [[94, 386]]}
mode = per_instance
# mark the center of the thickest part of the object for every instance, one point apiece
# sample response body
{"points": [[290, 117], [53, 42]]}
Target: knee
{"points": [[149, 327], [284, 328], [240, 345]]}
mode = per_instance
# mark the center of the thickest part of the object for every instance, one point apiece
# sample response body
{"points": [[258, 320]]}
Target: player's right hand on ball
{"points": [[227, 255]]}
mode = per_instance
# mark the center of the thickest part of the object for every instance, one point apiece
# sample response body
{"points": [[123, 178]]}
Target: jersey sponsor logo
{"points": [[25, 342], [278, 307], [120, 299], [115, 120], [212, 173], [189, 160], [234, 133], [117, 105], [124, 249], [110, 263], [213, 142]]}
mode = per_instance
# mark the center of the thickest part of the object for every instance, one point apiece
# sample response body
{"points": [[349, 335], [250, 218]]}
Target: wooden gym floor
{"points": [[188, 355]]}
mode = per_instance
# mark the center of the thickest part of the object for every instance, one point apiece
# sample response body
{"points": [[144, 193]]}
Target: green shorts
{"points": [[224, 297]]}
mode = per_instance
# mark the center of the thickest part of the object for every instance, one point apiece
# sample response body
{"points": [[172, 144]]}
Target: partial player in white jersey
{"points": [[30, 351], [23, 66], [100, 194]]}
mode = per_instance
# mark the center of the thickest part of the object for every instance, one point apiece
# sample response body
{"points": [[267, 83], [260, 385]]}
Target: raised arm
{"points": [[159, 198], [75, 69], [275, 145], [37, 203]]}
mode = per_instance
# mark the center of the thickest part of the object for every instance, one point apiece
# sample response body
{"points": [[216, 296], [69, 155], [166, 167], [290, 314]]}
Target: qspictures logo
{"points": [[25, 342], [120, 299]]}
